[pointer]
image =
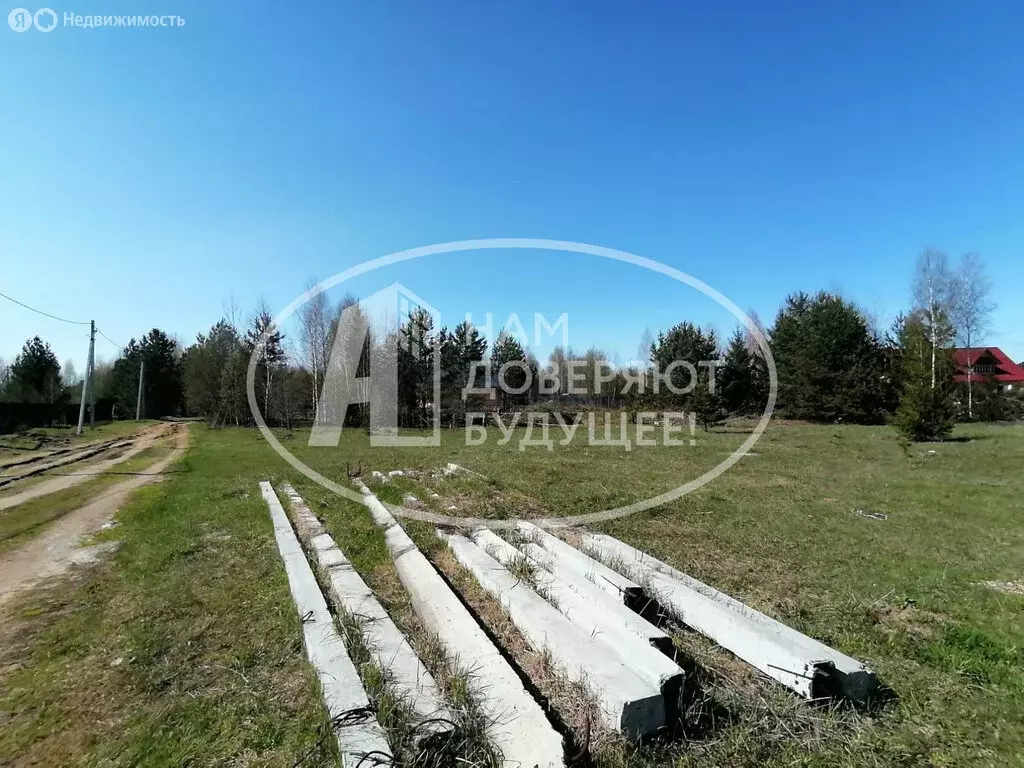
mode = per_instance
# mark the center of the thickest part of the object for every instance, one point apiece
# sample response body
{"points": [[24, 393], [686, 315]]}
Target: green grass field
{"points": [[187, 648]]}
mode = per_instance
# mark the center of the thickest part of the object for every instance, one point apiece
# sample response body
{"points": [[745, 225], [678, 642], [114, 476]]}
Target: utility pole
{"points": [[92, 364], [138, 401], [92, 394], [88, 377]]}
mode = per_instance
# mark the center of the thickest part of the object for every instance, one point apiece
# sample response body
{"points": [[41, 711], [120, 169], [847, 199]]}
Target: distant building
{"points": [[988, 364]]}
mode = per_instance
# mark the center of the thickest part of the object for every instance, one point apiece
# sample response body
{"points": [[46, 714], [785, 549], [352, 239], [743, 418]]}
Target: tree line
{"points": [[833, 365]]}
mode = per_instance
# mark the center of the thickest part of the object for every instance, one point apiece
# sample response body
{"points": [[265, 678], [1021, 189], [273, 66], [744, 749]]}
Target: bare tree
{"points": [[558, 364], [314, 330], [972, 310], [749, 340], [643, 356], [597, 361], [69, 373], [934, 291], [643, 350], [232, 312]]}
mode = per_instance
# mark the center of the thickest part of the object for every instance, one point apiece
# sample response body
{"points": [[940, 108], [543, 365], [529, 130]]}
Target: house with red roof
{"points": [[988, 364]]}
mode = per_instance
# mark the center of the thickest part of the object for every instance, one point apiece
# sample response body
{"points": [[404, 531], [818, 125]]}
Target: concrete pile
{"points": [[356, 730], [584, 607]]}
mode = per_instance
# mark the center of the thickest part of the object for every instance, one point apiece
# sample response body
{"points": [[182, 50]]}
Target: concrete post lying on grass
{"points": [[799, 662], [603, 601], [349, 593], [599, 621], [356, 729], [516, 724], [612, 582], [629, 704]]}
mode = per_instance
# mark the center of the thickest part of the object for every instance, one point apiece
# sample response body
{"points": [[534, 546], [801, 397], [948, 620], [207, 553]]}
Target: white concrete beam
{"points": [[517, 725], [599, 620], [628, 703], [604, 601], [356, 729], [612, 582], [799, 662], [349, 593]]}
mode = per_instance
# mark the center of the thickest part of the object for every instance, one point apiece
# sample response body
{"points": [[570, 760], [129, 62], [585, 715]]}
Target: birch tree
{"points": [[314, 332], [643, 357], [972, 311], [934, 291]]}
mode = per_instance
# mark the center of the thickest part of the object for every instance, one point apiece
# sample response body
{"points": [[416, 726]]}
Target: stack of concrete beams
{"points": [[517, 725], [578, 605], [799, 662], [350, 595], [629, 700], [620, 575], [356, 730]]}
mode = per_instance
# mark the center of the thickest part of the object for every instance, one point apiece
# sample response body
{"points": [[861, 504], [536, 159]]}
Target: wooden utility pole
{"points": [[88, 377]]}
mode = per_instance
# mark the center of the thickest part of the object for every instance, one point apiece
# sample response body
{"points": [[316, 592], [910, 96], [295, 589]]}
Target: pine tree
{"points": [[683, 343], [705, 402], [460, 349], [925, 411], [507, 349], [35, 374], [271, 353], [162, 391], [202, 370], [736, 377], [416, 343], [829, 363]]}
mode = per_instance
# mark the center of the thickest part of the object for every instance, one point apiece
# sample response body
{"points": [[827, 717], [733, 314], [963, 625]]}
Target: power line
{"points": [[101, 333], [62, 319], [47, 314]]}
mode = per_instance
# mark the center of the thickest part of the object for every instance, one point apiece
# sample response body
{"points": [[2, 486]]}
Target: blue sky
{"points": [[149, 176]]}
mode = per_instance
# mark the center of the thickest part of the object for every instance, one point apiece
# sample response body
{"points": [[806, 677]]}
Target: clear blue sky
{"points": [[150, 175]]}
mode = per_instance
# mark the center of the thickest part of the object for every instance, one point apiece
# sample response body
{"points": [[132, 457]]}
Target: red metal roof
{"points": [[1008, 372]]}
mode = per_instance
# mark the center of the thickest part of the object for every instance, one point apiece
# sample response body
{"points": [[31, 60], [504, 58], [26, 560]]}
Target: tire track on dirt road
{"points": [[54, 551], [34, 456], [144, 441], [65, 461]]}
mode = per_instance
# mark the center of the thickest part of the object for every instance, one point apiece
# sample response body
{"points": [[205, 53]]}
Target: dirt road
{"points": [[145, 440], [56, 549]]}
